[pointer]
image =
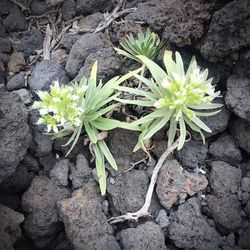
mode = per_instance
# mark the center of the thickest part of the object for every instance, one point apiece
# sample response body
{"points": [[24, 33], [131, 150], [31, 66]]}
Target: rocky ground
{"points": [[52, 203]]}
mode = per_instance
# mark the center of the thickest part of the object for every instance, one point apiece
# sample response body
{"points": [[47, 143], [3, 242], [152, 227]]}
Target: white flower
{"points": [[40, 121], [43, 111], [55, 129], [49, 127], [165, 83]]}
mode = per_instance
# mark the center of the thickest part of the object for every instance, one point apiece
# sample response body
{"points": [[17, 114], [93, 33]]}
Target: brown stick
{"points": [[144, 210]]}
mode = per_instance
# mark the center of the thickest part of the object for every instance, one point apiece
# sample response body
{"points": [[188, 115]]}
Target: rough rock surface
{"points": [[10, 230], [24, 95], [87, 44], [83, 218], [17, 62], [14, 133], [69, 9], [60, 173], [5, 46], [173, 181], [244, 235], [16, 82], [108, 64], [129, 191], [238, 96], [224, 149], [225, 212], [192, 154], [42, 224], [162, 220], [189, 229], [240, 130], [145, 236], [223, 178], [90, 22], [228, 32], [88, 7], [245, 184], [68, 40], [31, 41], [182, 21], [45, 73], [81, 172]]}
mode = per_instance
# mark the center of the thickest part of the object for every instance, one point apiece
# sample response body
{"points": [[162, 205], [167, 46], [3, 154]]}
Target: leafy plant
{"points": [[147, 44], [68, 109], [175, 96]]}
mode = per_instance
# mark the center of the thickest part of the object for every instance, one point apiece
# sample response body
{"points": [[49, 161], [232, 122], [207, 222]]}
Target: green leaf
{"points": [[172, 130], [91, 134], [179, 63], [201, 124], [136, 102], [124, 53], [61, 133], [206, 106], [182, 133], [71, 138], [207, 113], [94, 115]]}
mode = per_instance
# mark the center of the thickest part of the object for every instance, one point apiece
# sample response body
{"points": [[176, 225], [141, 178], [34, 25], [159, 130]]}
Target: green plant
{"points": [[68, 109], [175, 96], [147, 44]]}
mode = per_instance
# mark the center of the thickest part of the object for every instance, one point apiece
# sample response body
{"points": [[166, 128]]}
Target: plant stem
{"points": [[144, 210], [142, 74]]}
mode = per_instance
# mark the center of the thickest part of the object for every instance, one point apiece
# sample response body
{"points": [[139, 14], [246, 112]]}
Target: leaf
{"points": [[172, 130], [91, 84], [201, 124], [91, 134], [136, 102], [207, 113], [61, 133], [94, 115], [105, 150], [182, 133], [71, 138], [206, 106], [124, 53], [179, 63]]}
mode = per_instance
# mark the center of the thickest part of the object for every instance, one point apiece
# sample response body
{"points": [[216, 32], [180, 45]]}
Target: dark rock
{"points": [[189, 229], [173, 181], [16, 82], [144, 236], [247, 208], [45, 73], [240, 130], [60, 173], [109, 65], [47, 161], [14, 133], [91, 22], [129, 191], [225, 212], [121, 145], [87, 44], [68, 40], [31, 41], [162, 220], [107, 242], [17, 62], [83, 218], [2, 73], [15, 21], [238, 96], [39, 7], [244, 236], [224, 149], [10, 230], [12, 201], [41, 224], [17, 182], [30, 162], [85, 7], [59, 56], [81, 172], [69, 9], [5, 58], [160, 15], [5, 46], [245, 184], [5, 7], [228, 31], [25, 95], [2, 29], [192, 154], [223, 177]]}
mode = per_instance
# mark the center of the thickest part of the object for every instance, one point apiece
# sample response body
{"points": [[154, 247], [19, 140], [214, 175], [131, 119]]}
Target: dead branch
{"points": [[46, 43]]}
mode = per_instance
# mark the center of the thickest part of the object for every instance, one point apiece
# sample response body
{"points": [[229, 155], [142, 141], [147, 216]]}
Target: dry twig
{"points": [[46, 43]]}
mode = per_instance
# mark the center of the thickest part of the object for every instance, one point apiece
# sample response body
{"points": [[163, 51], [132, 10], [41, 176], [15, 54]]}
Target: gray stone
{"points": [[31, 41], [60, 173], [42, 224], [12, 201], [164, 15], [69, 9], [247, 208], [10, 230], [16, 82], [5, 7], [31, 162], [15, 21], [190, 230], [162, 219], [88, 7], [240, 130], [45, 73], [228, 31], [129, 191], [5, 58], [87, 44], [173, 180], [223, 177], [238, 96], [91, 21], [245, 184], [68, 40], [47, 162], [83, 218], [107, 242], [25, 95], [39, 7], [81, 172], [224, 149], [192, 154], [17, 62], [14, 133], [5, 46], [109, 65], [145, 236], [244, 236], [225, 212]]}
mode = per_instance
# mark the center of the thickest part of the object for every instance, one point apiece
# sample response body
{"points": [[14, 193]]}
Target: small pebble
{"points": [[112, 181]]}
